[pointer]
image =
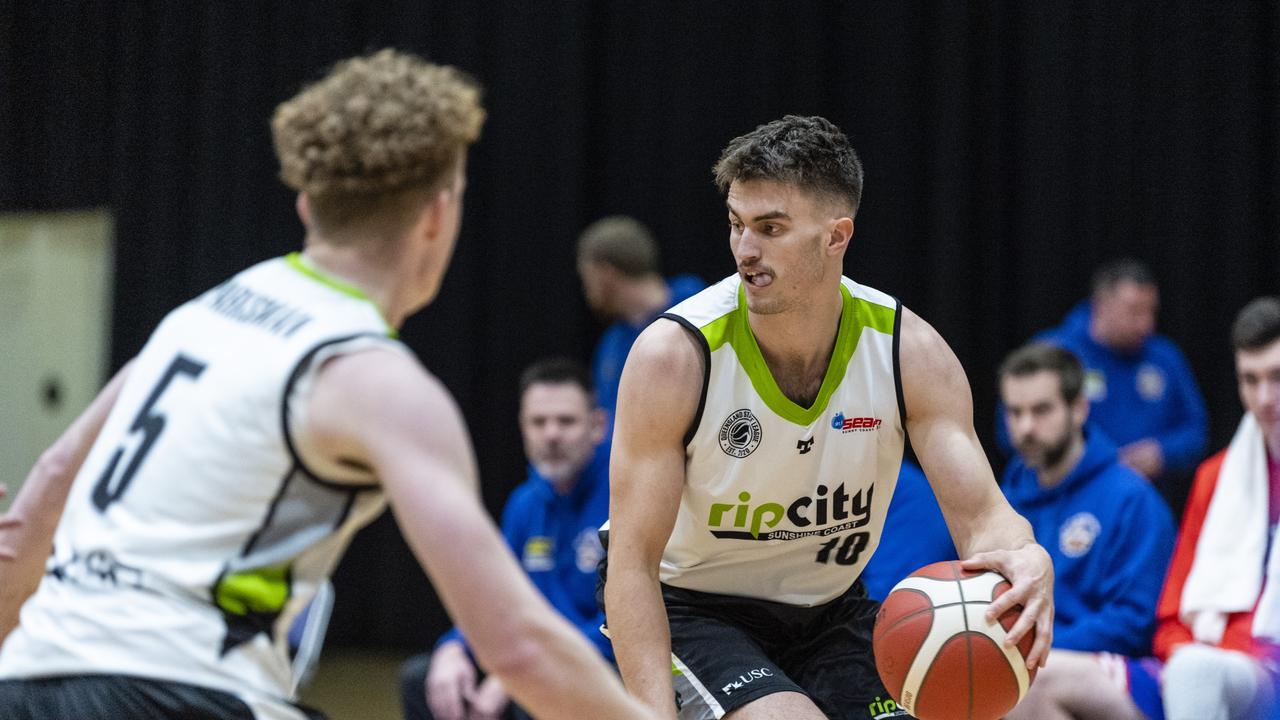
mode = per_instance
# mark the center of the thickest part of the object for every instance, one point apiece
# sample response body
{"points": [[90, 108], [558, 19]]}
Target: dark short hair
{"points": [[620, 242], [1045, 357], [1257, 325], [557, 371], [808, 152], [1112, 273]]}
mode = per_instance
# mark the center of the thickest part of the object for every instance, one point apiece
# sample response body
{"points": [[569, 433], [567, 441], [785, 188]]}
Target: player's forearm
{"points": [[641, 636], [26, 530], [26, 534], [552, 671]]}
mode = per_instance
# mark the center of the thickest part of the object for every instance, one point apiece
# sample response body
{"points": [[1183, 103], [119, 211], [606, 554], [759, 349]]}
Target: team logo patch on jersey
{"points": [[740, 434], [1078, 533], [1150, 382], [1095, 385], [588, 551]]}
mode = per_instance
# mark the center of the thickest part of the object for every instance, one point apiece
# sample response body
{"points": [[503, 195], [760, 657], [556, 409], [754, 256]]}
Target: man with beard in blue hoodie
{"points": [[1108, 531], [1140, 388]]}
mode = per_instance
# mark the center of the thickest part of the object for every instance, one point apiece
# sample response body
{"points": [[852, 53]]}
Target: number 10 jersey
{"points": [[781, 502]]}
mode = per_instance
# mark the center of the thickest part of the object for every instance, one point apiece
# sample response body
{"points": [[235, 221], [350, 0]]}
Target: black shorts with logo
{"points": [[727, 651], [112, 697]]}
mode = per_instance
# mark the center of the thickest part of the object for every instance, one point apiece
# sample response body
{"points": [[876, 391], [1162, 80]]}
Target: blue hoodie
{"points": [[1110, 536], [1149, 394], [615, 343], [555, 538]]}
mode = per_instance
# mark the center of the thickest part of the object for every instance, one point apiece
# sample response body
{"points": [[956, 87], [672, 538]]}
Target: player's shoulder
{"points": [[666, 345], [921, 345], [708, 305]]}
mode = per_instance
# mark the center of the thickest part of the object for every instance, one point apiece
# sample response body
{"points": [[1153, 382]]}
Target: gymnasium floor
{"points": [[356, 685]]}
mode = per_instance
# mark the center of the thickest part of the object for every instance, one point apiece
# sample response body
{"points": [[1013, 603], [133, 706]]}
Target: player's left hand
{"points": [[1030, 572]]}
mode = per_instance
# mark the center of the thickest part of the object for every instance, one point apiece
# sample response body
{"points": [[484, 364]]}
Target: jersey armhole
{"points": [[308, 364], [897, 363], [706, 373]]}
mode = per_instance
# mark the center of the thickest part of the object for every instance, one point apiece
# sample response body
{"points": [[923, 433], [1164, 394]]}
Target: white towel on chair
{"points": [[1227, 572]]}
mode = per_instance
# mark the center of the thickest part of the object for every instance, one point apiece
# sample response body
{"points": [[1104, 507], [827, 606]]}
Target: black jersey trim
{"points": [[303, 365], [897, 362], [706, 373]]}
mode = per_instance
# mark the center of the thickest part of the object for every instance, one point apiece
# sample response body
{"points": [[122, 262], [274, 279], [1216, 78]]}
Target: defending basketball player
{"points": [[218, 479], [760, 429]]}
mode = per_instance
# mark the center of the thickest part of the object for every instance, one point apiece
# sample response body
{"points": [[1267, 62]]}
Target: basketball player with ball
{"points": [[761, 425]]}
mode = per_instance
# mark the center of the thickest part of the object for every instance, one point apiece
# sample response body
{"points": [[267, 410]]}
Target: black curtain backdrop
{"points": [[1009, 147]]}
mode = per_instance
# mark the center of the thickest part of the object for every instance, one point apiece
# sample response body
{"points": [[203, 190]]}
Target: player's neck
{"points": [[800, 339], [378, 281]]}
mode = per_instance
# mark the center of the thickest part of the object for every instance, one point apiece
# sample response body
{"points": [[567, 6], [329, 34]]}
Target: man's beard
{"points": [[1049, 455]]}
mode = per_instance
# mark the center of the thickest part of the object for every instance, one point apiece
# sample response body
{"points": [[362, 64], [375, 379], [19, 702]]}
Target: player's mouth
{"points": [[757, 279]]}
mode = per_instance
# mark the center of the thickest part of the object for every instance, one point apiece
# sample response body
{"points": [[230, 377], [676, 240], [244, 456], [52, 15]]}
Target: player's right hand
{"points": [[451, 678]]}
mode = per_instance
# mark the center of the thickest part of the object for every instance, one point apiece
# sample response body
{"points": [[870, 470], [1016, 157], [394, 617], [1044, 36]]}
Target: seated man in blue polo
{"points": [[1107, 529], [550, 522]]}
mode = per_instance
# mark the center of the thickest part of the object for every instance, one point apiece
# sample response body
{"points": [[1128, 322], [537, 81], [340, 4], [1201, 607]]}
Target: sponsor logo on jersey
{"points": [[740, 434], [1077, 534], [854, 424], [885, 708], [755, 521], [746, 679], [539, 554]]}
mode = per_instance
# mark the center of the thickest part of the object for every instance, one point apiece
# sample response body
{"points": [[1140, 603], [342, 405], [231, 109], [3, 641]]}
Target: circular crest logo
{"points": [[1077, 534], [1150, 382], [740, 434]]}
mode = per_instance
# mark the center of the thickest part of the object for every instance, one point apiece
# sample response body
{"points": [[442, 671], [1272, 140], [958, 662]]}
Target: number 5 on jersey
{"points": [[150, 424]]}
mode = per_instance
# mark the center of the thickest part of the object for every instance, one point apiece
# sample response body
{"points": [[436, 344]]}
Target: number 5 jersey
{"points": [[194, 532]]}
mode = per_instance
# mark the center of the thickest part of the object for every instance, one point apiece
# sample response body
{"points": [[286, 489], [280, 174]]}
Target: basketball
{"points": [[938, 656]]}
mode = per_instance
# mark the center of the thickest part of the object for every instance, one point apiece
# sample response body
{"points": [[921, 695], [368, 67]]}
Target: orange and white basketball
{"points": [[936, 653]]}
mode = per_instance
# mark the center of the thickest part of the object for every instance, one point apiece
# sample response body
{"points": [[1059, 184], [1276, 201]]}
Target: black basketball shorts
{"points": [[112, 697], [727, 651]]}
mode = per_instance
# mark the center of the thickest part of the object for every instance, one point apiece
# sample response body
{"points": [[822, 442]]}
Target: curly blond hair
{"points": [[375, 126]]}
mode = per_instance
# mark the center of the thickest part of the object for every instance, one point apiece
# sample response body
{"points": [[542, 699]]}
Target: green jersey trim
{"points": [[734, 328], [296, 261]]}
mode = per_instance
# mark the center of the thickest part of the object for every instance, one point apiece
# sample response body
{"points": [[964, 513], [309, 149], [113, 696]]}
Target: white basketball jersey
{"points": [[193, 533], [781, 502]]}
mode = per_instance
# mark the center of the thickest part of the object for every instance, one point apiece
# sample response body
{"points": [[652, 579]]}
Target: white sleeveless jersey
{"points": [[193, 533], [781, 502]]}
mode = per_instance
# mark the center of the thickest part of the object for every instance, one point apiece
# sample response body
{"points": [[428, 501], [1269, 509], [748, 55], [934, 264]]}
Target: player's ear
{"points": [[1080, 410], [599, 421], [839, 234], [303, 206]]}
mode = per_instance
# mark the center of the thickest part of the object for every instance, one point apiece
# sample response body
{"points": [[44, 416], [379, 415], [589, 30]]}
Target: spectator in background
{"points": [[915, 534], [550, 521], [1141, 391], [1217, 638], [1107, 530], [621, 277]]}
